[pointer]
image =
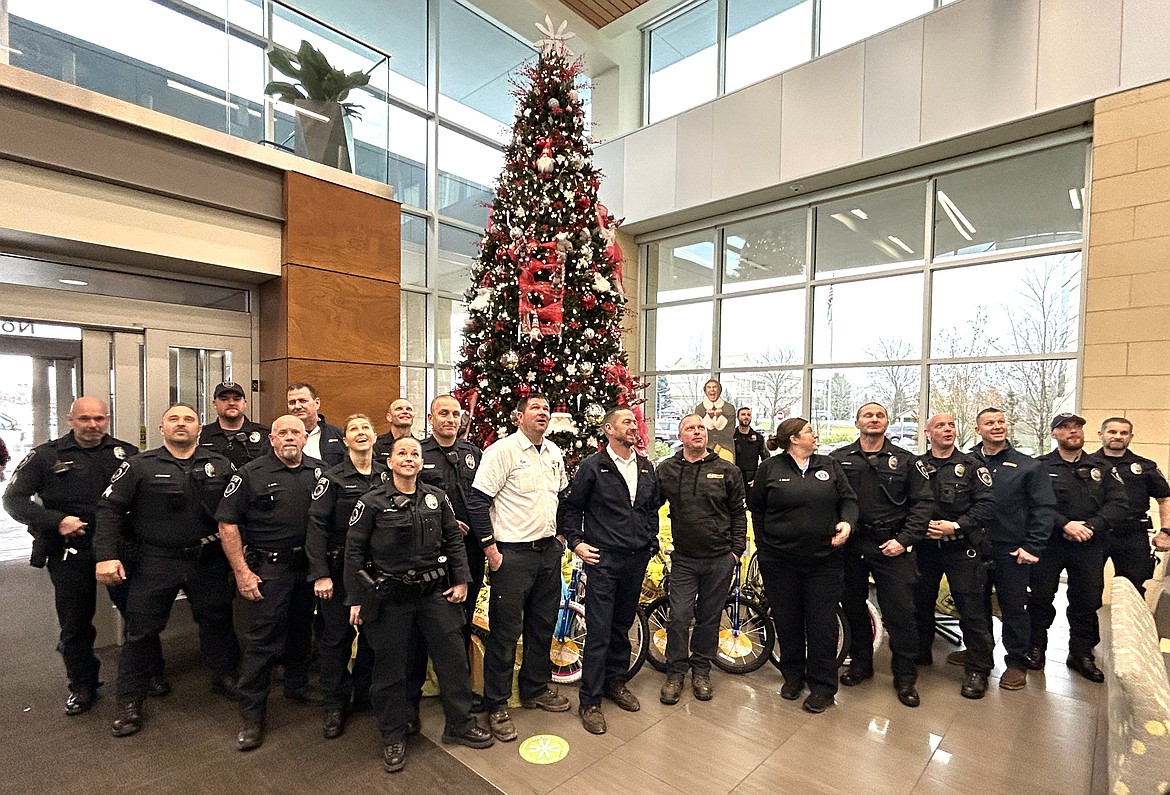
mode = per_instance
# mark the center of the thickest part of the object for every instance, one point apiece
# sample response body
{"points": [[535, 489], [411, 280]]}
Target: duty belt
{"points": [[181, 552], [277, 555]]}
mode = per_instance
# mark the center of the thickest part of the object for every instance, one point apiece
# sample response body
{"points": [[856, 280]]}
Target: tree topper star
{"points": [[554, 40]]}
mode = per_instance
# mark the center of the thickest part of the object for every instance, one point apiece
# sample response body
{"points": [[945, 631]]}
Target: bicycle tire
{"points": [[752, 647], [656, 613], [639, 643], [567, 654], [842, 641]]}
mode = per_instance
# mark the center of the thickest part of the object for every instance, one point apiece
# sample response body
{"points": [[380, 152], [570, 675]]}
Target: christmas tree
{"points": [[546, 300]]}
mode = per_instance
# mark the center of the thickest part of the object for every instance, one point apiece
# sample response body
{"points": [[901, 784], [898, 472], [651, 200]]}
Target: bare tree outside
{"points": [[896, 387], [963, 390]]}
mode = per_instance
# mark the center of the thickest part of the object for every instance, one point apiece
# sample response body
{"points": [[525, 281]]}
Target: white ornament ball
{"points": [[510, 360], [590, 333], [594, 413]]}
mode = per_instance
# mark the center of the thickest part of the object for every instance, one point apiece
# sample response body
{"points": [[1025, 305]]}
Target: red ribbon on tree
{"points": [[542, 292]]}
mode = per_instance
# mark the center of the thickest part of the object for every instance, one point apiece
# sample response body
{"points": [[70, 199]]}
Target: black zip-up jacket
{"points": [[247, 444], [334, 496], [708, 510], [796, 513], [333, 450], [1025, 504], [597, 508], [963, 492], [68, 479], [157, 500], [1086, 491], [749, 452], [905, 504]]}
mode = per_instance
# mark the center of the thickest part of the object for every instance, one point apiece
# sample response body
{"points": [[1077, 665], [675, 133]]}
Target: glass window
{"points": [[1025, 306], [679, 338], [872, 232], [1029, 392], [413, 386], [762, 330], [873, 320], [680, 268], [458, 250], [1028, 201], [765, 252], [445, 381], [765, 37], [846, 21], [413, 327], [450, 318], [673, 397], [476, 63], [467, 172], [684, 56], [772, 395], [837, 394], [414, 250]]}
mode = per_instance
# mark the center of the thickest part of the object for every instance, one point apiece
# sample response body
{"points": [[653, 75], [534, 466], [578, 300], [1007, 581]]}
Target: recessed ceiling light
{"points": [[74, 282], [860, 213]]}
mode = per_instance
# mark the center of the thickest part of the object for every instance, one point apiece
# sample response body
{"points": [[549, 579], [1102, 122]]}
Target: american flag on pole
{"points": [[829, 306]]}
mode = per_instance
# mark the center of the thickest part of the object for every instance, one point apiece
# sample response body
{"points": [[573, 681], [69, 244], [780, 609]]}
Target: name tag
{"points": [[714, 476], [428, 466], [162, 476], [1010, 464], [785, 480]]}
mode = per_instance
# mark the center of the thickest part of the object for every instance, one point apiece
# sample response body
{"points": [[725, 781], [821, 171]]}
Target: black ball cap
{"points": [[232, 386], [1065, 417]]}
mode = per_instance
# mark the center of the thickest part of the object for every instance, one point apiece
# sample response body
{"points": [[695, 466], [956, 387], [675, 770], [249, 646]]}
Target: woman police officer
{"points": [[803, 509]]}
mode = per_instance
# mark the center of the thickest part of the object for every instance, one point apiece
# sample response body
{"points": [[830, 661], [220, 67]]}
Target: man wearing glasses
{"points": [[233, 435]]}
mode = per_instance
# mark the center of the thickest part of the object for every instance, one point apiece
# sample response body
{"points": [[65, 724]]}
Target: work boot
{"points": [[1014, 679], [474, 736], [592, 718], [130, 721], [394, 756], [619, 694], [334, 724], [548, 701], [80, 700], [1035, 658], [671, 689], [502, 727], [974, 685]]}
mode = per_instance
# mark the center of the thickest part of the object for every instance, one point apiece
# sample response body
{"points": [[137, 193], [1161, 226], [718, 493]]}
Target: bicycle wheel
{"points": [[745, 649], [656, 614], [568, 653], [639, 642], [842, 637]]}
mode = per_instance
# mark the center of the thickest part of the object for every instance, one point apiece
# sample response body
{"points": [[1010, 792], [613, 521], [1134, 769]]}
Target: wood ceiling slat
{"points": [[600, 13]]}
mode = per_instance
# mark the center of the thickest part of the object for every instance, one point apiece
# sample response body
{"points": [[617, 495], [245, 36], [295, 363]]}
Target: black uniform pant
{"points": [[393, 691], [967, 577], [894, 578], [156, 581], [611, 603], [1085, 563], [75, 598], [526, 593], [1129, 548], [286, 611], [335, 636], [698, 591], [803, 594], [1011, 589]]}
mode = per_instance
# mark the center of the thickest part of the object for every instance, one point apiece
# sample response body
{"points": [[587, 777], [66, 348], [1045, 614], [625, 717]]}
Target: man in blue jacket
{"points": [[610, 521]]}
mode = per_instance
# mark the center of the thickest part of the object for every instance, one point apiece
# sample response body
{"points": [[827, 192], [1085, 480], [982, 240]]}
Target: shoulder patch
{"points": [[232, 486], [26, 459], [119, 472], [984, 476], [922, 470], [359, 508], [317, 472], [321, 487]]}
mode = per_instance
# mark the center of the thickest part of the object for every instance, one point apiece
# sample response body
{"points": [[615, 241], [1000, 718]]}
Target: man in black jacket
{"points": [[610, 521], [749, 446], [1091, 500], [708, 522], [233, 435], [324, 442], [895, 505]]}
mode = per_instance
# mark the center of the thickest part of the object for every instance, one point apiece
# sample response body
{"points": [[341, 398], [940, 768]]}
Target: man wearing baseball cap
{"points": [[233, 435], [1090, 499]]}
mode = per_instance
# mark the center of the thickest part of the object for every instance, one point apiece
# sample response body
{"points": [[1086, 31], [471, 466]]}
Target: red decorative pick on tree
{"points": [[546, 302]]}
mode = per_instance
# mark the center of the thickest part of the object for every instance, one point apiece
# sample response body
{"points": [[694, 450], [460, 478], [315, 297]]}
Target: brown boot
{"points": [[1014, 679]]}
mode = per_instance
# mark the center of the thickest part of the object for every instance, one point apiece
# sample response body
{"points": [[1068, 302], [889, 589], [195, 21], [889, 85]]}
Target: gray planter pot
{"points": [[328, 141]]}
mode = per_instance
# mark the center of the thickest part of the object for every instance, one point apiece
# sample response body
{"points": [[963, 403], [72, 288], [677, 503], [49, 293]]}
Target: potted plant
{"points": [[324, 134]]}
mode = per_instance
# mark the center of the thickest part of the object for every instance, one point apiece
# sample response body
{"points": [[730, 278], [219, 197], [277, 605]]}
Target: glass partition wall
{"points": [[941, 293]]}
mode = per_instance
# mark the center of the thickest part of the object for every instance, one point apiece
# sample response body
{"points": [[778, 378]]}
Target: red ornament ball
{"points": [[609, 306], [522, 389], [546, 364], [588, 300], [468, 374]]}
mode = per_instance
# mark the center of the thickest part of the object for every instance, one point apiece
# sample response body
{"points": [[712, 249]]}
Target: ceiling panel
{"points": [[600, 13]]}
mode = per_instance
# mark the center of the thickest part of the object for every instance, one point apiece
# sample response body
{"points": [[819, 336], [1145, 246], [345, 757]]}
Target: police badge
{"points": [[893, 462], [821, 475], [119, 454], [1095, 474], [432, 501], [209, 469], [470, 461], [960, 470], [254, 437], [1135, 468]]}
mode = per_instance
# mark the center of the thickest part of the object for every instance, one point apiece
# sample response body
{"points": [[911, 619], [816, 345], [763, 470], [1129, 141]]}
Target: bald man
{"points": [[54, 491], [400, 414]]}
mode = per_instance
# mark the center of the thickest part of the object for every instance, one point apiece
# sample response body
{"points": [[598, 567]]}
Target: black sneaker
{"points": [[80, 700], [817, 703], [394, 757], [792, 689]]}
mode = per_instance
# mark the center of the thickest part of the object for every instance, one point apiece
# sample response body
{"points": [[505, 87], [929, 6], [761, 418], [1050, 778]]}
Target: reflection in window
{"points": [[1029, 392], [1022, 307], [1028, 201], [875, 320], [458, 249], [413, 327], [413, 387], [838, 394], [414, 250], [762, 330], [765, 37], [845, 21], [765, 252], [872, 232], [679, 338], [684, 61], [450, 318], [672, 397], [467, 171], [680, 268], [772, 395]]}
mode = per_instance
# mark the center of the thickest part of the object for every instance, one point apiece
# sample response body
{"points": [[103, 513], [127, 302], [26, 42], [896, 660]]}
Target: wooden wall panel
{"points": [[334, 228], [273, 380], [346, 388], [341, 318]]}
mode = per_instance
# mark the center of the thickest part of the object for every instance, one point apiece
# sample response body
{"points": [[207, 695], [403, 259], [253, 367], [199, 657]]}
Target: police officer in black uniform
{"points": [[1129, 542], [895, 505], [749, 446], [400, 414], [1090, 502], [233, 435], [333, 499], [263, 519], [406, 571], [955, 545], [54, 491], [161, 505]]}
